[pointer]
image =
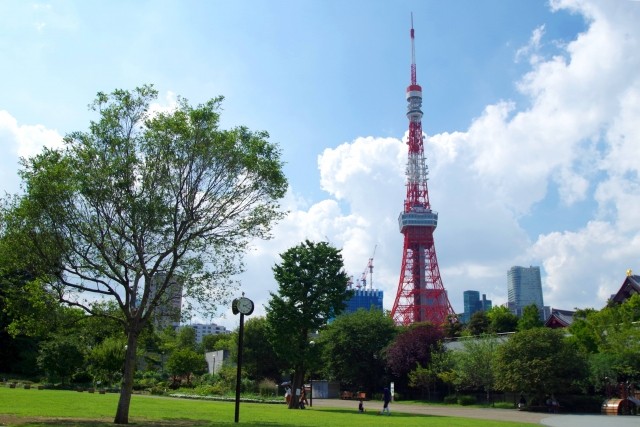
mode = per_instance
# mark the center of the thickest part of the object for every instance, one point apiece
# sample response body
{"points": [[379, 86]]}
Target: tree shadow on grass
{"points": [[7, 420]]}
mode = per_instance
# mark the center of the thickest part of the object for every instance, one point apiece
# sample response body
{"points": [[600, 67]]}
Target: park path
{"points": [[446, 411], [550, 420]]}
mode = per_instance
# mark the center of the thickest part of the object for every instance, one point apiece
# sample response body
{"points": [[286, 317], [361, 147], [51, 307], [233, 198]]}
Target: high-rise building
{"points": [[169, 308], [471, 300], [524, 287], [473, 303], [366, 299]]}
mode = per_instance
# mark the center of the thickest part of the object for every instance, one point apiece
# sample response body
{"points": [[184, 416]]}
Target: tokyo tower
{"points": [[421, 297]]}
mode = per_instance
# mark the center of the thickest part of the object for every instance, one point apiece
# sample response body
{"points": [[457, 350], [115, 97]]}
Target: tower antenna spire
{"points": [[421, 297], [413, 54]]}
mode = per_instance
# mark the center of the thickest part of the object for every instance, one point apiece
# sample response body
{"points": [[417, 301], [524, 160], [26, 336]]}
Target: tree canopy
{"points": [[352, 348], [538, 361], [413, 346]]}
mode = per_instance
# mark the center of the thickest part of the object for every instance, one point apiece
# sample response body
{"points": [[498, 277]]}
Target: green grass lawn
{"points": [[19, 407]]}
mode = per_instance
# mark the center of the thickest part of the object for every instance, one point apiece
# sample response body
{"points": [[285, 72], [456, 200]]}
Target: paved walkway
{"points": [[559, 420]]}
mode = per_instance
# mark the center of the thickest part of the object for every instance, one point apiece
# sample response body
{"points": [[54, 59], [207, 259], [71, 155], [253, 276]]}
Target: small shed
{"points": [[323, 389], [618, 407]]}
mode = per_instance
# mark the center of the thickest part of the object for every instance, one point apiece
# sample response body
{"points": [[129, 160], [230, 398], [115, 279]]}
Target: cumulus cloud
{"points": [[576, 138], [21, 141], [26, 140]]}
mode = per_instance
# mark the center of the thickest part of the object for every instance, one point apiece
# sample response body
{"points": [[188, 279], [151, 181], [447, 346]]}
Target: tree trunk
{"points": [[122, 414], [297, 384]]}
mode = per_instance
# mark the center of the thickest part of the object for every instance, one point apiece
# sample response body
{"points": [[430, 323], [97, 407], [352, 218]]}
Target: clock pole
{"points": [[244, 306]]}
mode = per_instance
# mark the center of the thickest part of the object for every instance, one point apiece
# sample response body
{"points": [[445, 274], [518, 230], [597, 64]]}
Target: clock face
{"points": [[244, 305]]}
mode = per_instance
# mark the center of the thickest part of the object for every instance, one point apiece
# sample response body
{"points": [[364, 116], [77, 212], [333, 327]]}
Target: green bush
{"points": [[157, 391], [451, 399], [144, 383], [503, 405], [248, 386], [217, 389], [267, 387], [466, 400]]}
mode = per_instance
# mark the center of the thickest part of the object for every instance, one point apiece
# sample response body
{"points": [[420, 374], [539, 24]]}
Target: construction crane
{"points": [[368, 270]]}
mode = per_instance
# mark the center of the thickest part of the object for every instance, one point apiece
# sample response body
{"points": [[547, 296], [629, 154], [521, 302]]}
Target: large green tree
{"points": [[352, 348], [611, 338], [539, 361], [312, 288], [139, 194]]}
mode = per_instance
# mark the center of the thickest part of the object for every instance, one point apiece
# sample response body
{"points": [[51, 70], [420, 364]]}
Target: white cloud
{"points": [[578, 134], [26, 140], [531, 49], [21, 141]]}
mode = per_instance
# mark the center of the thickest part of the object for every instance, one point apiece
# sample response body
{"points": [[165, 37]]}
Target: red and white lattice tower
{"points": [[421, 296]]}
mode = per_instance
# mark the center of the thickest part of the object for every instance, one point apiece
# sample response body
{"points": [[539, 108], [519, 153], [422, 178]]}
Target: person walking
{"points": [[303, 398], [386, 398], [287, 394]]}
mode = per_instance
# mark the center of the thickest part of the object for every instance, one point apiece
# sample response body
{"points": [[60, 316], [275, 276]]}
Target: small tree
{"points": [[474, 364], [478, 324], [60, 358], [259, 359], [184, 362], [312, 288], [106, 360], [501, 320], [412, 346], [530, 318]]}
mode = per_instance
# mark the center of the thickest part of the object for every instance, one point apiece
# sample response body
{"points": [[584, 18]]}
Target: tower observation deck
{"points": [[421, 297]]}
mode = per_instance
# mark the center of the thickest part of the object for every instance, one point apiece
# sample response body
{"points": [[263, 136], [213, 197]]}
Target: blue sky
{"points": [[530, 110]]}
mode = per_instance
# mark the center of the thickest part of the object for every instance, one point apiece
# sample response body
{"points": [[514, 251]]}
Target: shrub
{"points": [[267, 387], [503, 405], [451, 399], [217, 389], [157, 391], [466, 400]]}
